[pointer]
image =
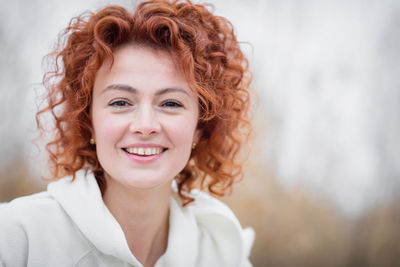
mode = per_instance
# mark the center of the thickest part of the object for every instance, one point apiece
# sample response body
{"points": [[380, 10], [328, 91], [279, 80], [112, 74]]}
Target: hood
{"points": [[202, 234], [82, 201]]}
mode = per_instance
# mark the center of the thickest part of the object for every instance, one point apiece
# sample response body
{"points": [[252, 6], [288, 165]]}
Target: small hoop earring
{"points": [[194, 145], [91, 141]]}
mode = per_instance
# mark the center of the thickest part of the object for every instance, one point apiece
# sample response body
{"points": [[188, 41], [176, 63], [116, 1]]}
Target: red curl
{"points": [[202, 45]]}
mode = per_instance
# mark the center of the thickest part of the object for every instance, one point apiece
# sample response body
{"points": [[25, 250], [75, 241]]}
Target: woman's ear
{"points": [[197, 135]]}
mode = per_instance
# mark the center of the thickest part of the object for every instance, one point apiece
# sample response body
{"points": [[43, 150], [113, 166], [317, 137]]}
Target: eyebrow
{"points": [[122, 87], [128, 88]]}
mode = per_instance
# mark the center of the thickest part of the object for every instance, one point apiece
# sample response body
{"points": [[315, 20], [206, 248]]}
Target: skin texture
{"points": [[141, 101]]}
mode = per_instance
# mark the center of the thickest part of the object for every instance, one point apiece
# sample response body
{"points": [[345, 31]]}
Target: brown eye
{"points": [[119, 103], [172, 104]]}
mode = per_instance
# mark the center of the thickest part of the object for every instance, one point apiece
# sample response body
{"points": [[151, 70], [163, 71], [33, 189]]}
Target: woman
{"points": [[147, 107]]}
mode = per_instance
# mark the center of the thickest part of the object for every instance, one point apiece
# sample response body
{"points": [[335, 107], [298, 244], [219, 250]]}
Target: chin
{"points": [[144, 182]]}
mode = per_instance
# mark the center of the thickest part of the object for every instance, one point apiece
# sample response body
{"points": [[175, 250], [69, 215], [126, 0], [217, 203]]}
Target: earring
{"points": [[91, 141], [194, 145]]}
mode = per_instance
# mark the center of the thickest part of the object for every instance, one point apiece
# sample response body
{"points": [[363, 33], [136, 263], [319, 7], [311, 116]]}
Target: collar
{"points": [[205, 231]]}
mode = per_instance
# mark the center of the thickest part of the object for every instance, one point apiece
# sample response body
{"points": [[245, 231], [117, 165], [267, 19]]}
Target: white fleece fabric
{"points": [[69, 225]]}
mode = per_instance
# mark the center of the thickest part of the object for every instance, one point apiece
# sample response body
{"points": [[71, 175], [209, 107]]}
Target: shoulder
{"points": [[21, 218], [207, 205], [24, 209], [215, 215], [31, 214], [37, 210], [34, 226], [221, 237]]}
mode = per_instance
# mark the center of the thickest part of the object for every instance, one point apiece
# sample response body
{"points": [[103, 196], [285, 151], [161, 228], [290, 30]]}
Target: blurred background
{"points": [[322, 182]]}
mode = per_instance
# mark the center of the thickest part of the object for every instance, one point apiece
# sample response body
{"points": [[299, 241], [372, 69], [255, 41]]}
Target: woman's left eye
{"points": [[171, 104]]}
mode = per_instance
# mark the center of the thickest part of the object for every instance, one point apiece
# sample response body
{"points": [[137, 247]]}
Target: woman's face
{"points": [[144, 118]]}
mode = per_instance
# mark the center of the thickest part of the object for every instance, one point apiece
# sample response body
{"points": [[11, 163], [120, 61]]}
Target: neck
{"points": [[143, 215]]}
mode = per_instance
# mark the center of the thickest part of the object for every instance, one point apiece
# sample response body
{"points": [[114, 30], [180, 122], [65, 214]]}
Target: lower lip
{"points": [[143, 159]]}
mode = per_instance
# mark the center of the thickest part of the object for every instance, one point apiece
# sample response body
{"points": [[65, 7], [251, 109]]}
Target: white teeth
{"points": [[140, 151], [148, 151]]}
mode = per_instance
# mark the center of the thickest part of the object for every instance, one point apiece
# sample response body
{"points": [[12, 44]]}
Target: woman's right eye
{"points": [[119, 103]]}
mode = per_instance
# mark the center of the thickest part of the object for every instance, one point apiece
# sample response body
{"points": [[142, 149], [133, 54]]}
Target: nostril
{"points": [[145, 123], [145, 131]]}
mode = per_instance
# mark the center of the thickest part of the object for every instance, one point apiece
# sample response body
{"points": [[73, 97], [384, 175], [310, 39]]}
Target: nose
{"points": [[145, 122]]}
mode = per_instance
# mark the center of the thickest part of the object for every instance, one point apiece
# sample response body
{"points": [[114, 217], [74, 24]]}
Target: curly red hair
{"points": [[203, 45]]}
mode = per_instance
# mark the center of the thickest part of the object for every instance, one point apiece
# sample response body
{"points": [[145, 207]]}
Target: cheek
{"points": [[181, 131], [107, 129]]}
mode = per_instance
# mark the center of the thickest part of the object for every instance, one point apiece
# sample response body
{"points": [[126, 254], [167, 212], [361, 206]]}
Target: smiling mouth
{"points": [[144, 151]]}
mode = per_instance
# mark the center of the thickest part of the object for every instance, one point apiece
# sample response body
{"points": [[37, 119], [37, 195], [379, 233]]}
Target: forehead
{"points": [[140, 65]]}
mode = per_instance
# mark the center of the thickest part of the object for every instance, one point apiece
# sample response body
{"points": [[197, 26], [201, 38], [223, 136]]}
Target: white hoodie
{"points": [[69, 225]]}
